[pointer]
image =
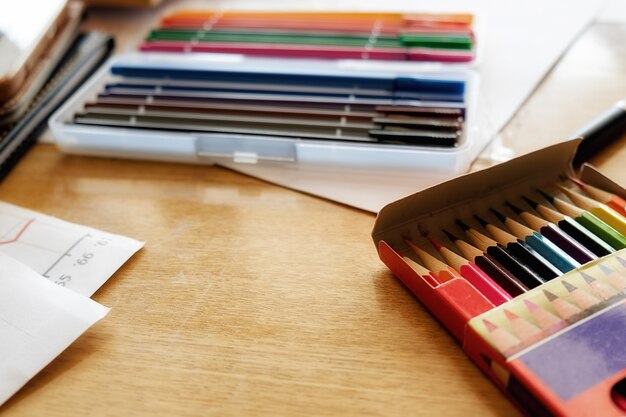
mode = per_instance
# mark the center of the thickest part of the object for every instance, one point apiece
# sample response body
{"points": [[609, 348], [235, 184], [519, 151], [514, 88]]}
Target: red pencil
{"points": [[282, 50]]}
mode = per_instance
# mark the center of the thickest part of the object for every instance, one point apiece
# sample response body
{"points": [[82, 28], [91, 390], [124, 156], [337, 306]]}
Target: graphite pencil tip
{"points": [[531, 203], [462, 225], [545, 195], [499, 215], [480, 220], [513, 207], [450, 236]]}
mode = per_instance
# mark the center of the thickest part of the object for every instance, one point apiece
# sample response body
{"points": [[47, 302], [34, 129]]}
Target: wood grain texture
{"points": [[251, 299]]}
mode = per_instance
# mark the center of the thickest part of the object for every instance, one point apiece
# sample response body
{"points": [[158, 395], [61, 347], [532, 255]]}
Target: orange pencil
{"points": [[442, 271], [604, 212], [614, 201]]}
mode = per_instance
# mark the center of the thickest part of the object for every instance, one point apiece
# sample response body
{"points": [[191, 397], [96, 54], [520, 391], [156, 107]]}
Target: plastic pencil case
{"points": [[573, 367], [205, 147]]}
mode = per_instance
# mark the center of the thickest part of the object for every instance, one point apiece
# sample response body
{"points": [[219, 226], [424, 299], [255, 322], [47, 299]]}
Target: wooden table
{"points": [[251, 299]]}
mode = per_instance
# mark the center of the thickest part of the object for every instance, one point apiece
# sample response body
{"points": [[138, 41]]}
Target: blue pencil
{"points": [[540, 243]]}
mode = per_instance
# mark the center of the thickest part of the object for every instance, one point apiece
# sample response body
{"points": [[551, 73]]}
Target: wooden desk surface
{"points": [[251, 299]]}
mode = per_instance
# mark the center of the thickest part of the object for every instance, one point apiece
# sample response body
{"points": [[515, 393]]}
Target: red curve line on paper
{"points": [[20, 233]]}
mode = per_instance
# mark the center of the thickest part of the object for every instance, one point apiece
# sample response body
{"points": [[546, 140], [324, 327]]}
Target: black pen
{"points": [[608, 126]]}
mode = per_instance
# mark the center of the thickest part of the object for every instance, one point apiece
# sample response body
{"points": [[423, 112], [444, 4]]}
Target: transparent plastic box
{"points": [[213, 148]]}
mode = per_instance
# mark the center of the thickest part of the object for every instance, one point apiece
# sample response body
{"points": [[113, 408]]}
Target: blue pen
{"points": [[394, 85], [539, 243]]}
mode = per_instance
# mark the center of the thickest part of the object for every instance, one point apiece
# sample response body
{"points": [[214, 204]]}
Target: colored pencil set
{"points": [[321, 104], [525, 264], [321, 35]]}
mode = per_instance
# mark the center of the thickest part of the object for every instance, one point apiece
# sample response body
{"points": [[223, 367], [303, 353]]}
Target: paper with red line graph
{"points": [[38, 320], [73, 256]]}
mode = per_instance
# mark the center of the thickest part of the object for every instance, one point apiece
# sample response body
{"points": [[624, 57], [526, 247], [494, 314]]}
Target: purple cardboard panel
{"points": [[582, 356]]}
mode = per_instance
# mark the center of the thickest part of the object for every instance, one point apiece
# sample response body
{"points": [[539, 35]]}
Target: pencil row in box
{"points": [[424, 37], [525, 264], [208, 108]]}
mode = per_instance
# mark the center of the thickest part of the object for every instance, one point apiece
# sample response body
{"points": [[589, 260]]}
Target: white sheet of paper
{"points": [[38, 320], [77, 257], [521, 40]]}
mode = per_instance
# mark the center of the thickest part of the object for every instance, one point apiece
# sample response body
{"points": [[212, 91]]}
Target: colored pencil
{"points": [[383, 36], [614, 201], [521, 271], [382, 132], [556, 235], [279, 38], [500, 274], [588, 220], [521, 251], [442, 271], [541, 244], [237, 105], [390, 84], [427, 275], [592, 242], [601, 210], [473, 274], [303, 104]]}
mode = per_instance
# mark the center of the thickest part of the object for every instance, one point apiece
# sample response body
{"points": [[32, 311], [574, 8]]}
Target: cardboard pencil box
{"points": [[547, 353]]}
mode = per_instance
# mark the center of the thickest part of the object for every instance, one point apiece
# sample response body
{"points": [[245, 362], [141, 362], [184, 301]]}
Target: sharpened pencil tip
{"points": [[450, 236], [545, 195], [499, 215], [462, 225], [480, 220], [531, 203], [513, 207], [433, 242]]}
